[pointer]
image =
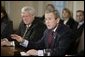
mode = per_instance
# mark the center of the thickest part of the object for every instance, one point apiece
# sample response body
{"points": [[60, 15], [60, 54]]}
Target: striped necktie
{"points": [[25, 31]]}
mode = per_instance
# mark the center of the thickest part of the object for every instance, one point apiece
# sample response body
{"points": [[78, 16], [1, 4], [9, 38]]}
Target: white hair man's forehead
{"points": [[29, 9]]}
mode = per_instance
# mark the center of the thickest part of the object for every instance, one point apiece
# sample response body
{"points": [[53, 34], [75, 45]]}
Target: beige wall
{"points": [[13, 8], [3, 3], [69, 5]]}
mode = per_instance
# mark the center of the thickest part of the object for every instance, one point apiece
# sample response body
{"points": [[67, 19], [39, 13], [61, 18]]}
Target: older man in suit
{"points": [[56, 39], [31, 28]]}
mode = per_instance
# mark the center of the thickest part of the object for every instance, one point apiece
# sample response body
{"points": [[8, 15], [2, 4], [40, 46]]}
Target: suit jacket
{"points": [[34, 33], [6, 28], [71, 23], [61, 43], [79, 31]]}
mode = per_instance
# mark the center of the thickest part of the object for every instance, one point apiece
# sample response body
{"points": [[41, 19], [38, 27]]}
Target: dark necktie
{"points": [[25, 32], [50, 38]]}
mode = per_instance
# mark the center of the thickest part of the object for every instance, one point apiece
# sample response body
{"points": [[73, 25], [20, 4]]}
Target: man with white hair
{"points": [[31, 28]]}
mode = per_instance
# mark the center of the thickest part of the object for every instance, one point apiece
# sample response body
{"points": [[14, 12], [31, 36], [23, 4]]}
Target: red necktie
{"points": [[50, 38]]}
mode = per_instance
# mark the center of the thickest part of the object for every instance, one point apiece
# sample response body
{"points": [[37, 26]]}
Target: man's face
{"points": [[50, 20], [79, 16], [27, 17]]}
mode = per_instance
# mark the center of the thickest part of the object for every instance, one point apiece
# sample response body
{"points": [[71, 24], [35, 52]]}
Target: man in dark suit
{"points": [[56, 39], [78, 30], [31, 28], [80, 20]]}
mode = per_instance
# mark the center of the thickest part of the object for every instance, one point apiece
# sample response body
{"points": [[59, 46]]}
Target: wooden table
{"points": [[10, 51], [7, 51]]}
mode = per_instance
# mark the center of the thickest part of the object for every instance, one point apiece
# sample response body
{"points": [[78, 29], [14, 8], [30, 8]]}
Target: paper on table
{"points": [[23, 54]]}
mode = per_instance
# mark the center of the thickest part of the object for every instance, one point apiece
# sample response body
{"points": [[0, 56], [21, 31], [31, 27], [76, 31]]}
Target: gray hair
{"points": [[29, 9]]}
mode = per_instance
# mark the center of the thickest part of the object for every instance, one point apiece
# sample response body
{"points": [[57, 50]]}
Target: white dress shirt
{"points": [[65, 21], [80, 23]]}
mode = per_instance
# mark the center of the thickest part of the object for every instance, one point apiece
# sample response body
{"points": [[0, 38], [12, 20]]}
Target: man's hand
{"points": [[32, 52], [17, 37], [5, 42]]}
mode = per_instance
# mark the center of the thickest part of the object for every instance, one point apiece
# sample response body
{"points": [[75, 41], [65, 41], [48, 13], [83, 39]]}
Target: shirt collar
{"points": [[80, 23], [28, 25], [65, 21], [54, 30]]}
